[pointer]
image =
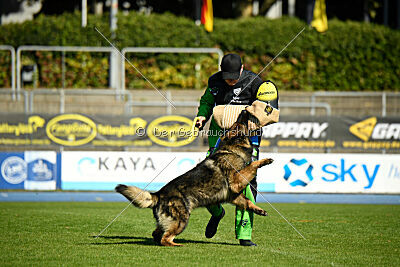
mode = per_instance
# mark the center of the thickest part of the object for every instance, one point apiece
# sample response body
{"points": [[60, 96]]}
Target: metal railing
{"points": [[110, 50], [62, 93], [13, 95], [194, 104], [54, 49], [382, 95], [315, 98], [12, 51], [187, 50]]}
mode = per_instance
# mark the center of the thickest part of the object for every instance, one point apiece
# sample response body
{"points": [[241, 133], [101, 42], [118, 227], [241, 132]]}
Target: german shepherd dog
{"points": [[217, 179]]}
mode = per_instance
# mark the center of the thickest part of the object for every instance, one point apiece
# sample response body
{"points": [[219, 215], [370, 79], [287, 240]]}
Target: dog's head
{"points": [[239, 132]]}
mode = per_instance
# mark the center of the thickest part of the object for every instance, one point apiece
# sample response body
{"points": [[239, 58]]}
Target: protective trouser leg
{"points": [[215, 210], [244, 219]]}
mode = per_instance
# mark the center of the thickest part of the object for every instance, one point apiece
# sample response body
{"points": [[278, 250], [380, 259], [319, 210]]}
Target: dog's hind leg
{"points": [[175, 228], [244, 203], [173, 218], [240, 179]]}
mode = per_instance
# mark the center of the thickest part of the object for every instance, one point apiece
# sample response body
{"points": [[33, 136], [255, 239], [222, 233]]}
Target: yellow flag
{"points": [[207, 15], [320, 21]]}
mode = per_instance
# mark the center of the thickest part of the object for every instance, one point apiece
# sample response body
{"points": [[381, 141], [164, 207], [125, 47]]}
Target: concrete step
{"points": [[358, 105]]}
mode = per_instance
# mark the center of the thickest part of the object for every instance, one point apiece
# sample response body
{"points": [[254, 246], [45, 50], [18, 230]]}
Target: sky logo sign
{"points": [[341, 172], [298, 172]]}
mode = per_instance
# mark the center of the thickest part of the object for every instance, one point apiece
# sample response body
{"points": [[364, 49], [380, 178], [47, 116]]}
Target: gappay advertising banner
{"points": [[368, 134], [104, 131], [77, 130], [290, 172]]}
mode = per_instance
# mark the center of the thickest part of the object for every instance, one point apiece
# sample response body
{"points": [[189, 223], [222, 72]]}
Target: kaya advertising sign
{"points": [[76, 130], [373, 133], [295, 173], [31, 170], [104, 170]]}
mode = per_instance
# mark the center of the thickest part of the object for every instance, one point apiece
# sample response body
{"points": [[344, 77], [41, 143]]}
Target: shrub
{"points": [[349, 56]]}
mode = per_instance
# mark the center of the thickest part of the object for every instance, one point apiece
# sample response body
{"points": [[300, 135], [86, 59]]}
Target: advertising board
{"points": [[293, 173], [41, 131], [104, 170], [332, 173], [30, 170]]}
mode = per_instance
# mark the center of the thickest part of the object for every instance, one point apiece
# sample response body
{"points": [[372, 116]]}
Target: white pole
{"points": [[292, 7], [114, 58], [84, 13]]}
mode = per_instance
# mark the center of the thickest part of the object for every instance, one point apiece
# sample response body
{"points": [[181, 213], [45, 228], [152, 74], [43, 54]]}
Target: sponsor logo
{"points": [[306, 130], [85, 163], [394, 172], [42, 170], [267, 92], [363, 129], [14, 170], [298, 172], [370, 129], [125, 164], [71, 130], [237, 91], [171, 131], [185, 164], [136, 127], [34, 122], [339, 172]]}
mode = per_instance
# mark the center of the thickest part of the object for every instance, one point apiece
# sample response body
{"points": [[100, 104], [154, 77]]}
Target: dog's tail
{"points": [[140, 198]]}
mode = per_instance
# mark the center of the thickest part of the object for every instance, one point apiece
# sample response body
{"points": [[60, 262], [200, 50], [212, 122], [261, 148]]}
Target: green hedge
{"points": [[349, 56]]}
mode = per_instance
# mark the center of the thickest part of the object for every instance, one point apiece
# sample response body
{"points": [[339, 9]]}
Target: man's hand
{"points": [[199, 122]]}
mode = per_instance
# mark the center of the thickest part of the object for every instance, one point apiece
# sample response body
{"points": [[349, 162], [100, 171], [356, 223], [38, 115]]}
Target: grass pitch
{"points": [[63, 234]]}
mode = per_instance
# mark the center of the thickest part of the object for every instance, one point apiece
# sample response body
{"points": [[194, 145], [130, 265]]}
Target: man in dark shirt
{"points": [[234, 86]]}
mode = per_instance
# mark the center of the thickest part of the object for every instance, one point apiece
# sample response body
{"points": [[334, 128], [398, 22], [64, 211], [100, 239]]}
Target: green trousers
{"points": [[244, 219]]}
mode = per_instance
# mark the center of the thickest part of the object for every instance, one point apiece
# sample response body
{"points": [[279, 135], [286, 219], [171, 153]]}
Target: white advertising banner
{"points": [[296, 173], [332, 173], [96, 170]]}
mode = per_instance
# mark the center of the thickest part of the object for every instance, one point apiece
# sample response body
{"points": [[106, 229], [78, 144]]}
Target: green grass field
{"points": [[63, 234]]}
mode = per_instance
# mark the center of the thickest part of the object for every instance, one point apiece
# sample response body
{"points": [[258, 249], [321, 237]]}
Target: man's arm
{"points": [[207, 103]]}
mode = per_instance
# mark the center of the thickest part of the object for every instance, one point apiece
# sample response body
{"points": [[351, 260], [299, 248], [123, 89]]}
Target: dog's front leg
{"points": [[157, 235], [239, 180], [244, 203]]}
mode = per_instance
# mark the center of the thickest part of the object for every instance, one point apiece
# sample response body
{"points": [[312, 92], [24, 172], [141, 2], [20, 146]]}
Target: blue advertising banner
{"points": [[29, 170], [14, 170]]}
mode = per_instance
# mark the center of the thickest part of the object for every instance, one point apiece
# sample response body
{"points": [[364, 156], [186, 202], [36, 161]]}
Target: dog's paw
{"points": [[266, 162], [261, 212], [121, 187], [269, 161]]}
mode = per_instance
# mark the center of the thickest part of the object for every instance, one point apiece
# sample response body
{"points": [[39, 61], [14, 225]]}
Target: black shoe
{"points": [[247, 243], [212, 225]]}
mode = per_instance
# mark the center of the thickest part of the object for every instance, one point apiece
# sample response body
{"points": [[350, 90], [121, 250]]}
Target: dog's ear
{"points": [[243, 117]]}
